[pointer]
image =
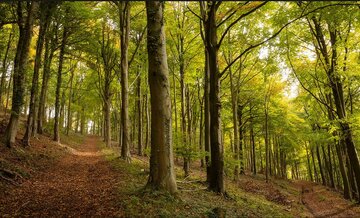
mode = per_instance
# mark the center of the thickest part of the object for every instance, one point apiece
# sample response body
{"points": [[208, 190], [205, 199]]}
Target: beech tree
{"points": [[124, 14], [20, 63], [162, 175], [45, 13], [269, 88]]}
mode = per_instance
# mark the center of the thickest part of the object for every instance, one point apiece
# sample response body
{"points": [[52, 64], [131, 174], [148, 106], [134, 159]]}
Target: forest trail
{"points": [[321, 202], [80, 184]]}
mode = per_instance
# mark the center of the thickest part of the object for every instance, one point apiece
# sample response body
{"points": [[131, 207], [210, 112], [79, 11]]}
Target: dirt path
{"points": [[321, 202], [81, 184]]}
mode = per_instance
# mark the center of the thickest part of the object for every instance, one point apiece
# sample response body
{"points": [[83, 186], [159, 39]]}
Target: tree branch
{"points": [[231, 13], [280, 30], [137, 46], [196, 15], [237, 20]]}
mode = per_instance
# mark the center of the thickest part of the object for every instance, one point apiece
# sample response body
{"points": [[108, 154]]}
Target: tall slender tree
{"points": [[162, 175], [45, 13], [20, 63], [124, 11]]}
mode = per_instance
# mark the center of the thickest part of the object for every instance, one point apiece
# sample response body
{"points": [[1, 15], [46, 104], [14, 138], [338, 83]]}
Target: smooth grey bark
{"points": [[162, 175], [124, 11]]}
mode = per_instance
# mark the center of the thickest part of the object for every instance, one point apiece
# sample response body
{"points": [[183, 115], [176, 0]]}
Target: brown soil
{"points": [[322, 202], [80, 184]]}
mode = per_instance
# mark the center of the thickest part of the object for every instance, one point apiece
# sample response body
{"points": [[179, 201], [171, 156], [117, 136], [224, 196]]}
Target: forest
{"points": [[162, 104]]}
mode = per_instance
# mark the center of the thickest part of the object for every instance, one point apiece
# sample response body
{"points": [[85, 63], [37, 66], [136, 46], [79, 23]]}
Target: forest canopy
{"points": [[245, 87]]}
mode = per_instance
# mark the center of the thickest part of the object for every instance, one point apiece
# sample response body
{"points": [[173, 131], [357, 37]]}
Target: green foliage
{"points": [[283, 82]]}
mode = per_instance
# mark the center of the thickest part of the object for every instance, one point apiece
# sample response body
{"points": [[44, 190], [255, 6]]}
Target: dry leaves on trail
{"points": [[76, 185], [322, 202]]}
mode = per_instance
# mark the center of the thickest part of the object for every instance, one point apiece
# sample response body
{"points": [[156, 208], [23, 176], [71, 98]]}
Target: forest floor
{"points": [[83, 178], [79, 184], [320, 201]]}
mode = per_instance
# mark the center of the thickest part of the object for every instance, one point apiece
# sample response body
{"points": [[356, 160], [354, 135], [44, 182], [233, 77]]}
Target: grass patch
{"points": [[74, 140], [192, 199]]}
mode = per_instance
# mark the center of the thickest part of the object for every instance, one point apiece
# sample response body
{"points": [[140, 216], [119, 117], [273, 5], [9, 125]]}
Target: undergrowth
{"points": [[192, 199]]}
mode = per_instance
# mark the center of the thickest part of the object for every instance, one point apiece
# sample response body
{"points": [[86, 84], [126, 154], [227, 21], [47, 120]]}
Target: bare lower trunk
{"points": [[140, 147], [107, 128], [82, 122], [201, 130], [49, 54], [235, 117], [4, 68], [314, 165], [320, 166], [44, 22], [147, 112], [124, 40], [207, 118], [241, 138], [308, 162], [217, 150], [267, 161], [162, 174], [252, 140], [58, 88], [347, 192], [21, 61], [69, 112]]}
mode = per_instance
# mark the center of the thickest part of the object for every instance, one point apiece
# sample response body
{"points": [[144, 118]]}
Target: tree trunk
{"points": [[107, 127], [45, 8], [314, 165], [162, 175], [338, 93], [204, 11], [326, 166], [140, 146], [267, 159], [217, 151], [252, 138], [187, 135], [201, 130], [82, 122], [147, 138], [241, 138], [58, 86], [8, 92], [20, 64], [331, 171], [346, 184], [174, 104], [69, 112], [49, 54], [336, 84], [62, 110], [207, 118], [235, 113], [4, 68], [124, 41], [320, 166], [308, 162]]}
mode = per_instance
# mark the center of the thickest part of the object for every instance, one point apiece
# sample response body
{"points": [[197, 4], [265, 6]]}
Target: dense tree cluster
{"points": [[239, 87]]}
